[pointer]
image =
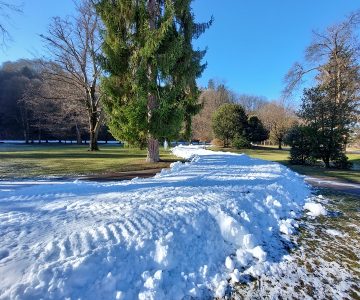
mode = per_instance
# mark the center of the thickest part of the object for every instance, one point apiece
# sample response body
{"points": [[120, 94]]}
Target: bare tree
{"points": [[211, 99], [251, 103], [329, 44], [54, 107], [75, 44], [278, 119], [5, 9]]}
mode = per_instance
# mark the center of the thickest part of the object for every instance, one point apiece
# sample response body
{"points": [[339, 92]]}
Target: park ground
{"points": [[114, 161]]}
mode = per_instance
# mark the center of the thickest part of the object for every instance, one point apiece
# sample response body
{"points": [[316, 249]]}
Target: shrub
{"points": [[341, 161], [217, 142], [240, 141], [300, 139]]}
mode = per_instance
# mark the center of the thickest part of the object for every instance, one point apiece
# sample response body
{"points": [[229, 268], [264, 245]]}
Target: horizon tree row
{"points": [[34, 108]]}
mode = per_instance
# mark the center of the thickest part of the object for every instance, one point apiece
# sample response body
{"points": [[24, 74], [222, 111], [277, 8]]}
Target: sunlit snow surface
{"points": [[188, 232]]}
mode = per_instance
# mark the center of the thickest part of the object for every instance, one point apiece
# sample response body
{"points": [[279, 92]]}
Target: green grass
{"points": [[282, 156], [27, 161]]}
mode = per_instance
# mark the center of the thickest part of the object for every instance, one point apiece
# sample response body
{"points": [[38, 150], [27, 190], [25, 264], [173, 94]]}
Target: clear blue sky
{"points": [[251, 44]]}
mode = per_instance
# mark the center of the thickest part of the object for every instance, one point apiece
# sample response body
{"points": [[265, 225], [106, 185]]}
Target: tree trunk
{"points": [[153, 151], [279, 144], [26, 128], [26, 136], [78, 134], [93, 145], [39, 132], [327, 163], [188, 122], [153, 155]]}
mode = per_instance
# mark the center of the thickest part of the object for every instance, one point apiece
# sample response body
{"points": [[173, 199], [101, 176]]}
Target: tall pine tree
{"points": [[151, 68]]}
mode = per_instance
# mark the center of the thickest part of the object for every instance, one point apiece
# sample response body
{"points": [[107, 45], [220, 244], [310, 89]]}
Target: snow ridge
{"points": [[187, 232]]}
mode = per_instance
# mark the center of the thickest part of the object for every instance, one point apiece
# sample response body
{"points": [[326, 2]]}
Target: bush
{"points": [[239, 141], [217, 142], [341, 161], [307, 145], [300, 139]]}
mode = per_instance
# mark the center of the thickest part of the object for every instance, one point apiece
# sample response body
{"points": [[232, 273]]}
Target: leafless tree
{"points": [[211, 99], [330, 43], [54, 108], [278, 119], [251, 103], [75, 44]]}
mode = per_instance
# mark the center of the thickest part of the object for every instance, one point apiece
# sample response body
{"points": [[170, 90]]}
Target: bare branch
{"points": [[74, 44], [5, 10]]}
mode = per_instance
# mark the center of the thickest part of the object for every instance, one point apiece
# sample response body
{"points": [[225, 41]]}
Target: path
{"points": [[187, 232], [339, 186]]}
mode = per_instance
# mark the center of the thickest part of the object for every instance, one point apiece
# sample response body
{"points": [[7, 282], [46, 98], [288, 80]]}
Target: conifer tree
{"points": [[330, 108], [228, 122], [151, 68]]}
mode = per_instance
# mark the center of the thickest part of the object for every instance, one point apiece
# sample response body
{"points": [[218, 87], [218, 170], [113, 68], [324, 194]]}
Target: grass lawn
{"points": [[28, 161], [281, 156]]}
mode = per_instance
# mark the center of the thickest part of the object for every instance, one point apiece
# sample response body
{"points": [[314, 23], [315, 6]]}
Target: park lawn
{"points": [[29, 161], [282, 156], [59, 160]]}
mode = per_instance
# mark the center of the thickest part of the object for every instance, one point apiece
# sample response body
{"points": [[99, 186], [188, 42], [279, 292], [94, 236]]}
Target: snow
{"points": [[334, 232], [187, 232], [315, 209]]}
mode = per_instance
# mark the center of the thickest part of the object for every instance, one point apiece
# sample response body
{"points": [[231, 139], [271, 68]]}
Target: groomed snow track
{"points": [[190, 231]]}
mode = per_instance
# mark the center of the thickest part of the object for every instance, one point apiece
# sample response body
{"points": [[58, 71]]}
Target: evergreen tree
{"points": [[330, 108], [255, 130], [151, 68], [228, 122]]}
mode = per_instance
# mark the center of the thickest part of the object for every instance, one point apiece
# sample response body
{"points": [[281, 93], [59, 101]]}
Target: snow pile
{"points": [[187, 232], [315, 209]]}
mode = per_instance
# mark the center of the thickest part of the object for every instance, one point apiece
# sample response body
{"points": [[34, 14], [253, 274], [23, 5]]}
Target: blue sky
{"points": [[251, 44]]}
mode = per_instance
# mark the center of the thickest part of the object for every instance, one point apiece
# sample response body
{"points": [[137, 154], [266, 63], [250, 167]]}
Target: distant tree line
{"points": [[261, 119], [34, 107]]}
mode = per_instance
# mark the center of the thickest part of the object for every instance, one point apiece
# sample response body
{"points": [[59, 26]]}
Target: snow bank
{"points": [[187, 232]]}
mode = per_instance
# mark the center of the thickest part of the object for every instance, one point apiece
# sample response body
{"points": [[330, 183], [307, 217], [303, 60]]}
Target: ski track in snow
{"points": [[188, 232]]}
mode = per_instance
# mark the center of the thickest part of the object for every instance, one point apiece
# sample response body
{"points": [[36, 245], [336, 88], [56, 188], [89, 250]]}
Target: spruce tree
{"points": [[151, 68]]}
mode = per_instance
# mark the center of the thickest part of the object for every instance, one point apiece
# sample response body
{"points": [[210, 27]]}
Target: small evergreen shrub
{"points": [[240, 141]]}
